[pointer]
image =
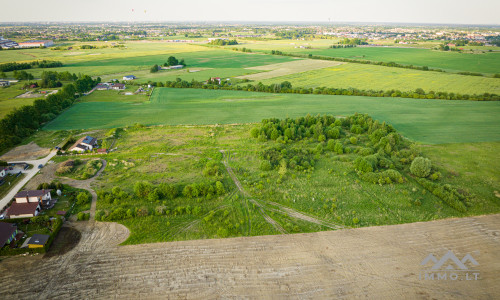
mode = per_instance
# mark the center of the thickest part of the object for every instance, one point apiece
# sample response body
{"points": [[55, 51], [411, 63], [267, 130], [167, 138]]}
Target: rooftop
{"points": [[6, 231], [17, 209], [39, 239], [35, 193]]}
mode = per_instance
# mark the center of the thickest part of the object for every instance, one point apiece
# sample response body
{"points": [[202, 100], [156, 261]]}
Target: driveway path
{"points": [[29, 174]]}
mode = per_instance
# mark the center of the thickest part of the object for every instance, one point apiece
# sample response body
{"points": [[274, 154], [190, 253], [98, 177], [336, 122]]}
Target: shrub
{"points": [[339, 149], [421, 167], [353, 140], [265, 165], [363, 165], [82, 198]]}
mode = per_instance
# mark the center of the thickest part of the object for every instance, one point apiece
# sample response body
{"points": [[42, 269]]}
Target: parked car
{"points": [[40, 166]]}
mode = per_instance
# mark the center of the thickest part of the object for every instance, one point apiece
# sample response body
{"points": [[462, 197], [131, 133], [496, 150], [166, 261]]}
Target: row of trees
{"points": [[286, 87], [13, 66], [221, 42]]}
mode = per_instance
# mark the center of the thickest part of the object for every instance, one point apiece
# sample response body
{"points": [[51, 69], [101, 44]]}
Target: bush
{"points": [[339, 149], [265, 165], [353, 140], [82, 198], [421, 167]]}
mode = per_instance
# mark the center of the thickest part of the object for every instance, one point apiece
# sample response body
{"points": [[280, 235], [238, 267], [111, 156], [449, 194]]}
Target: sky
{"points": [[380, 11]]}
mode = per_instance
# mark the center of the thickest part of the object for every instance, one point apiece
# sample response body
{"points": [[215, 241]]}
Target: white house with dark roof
{"points": [[33, 196], [84, 144], [129, 77]]}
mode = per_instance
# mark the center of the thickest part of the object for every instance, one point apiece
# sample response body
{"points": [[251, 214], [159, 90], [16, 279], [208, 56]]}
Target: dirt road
{"points": [[372, 263]]}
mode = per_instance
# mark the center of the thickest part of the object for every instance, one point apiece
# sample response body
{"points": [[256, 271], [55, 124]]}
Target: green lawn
{"points": [[426, 121], [450, 61], [371, 77]]}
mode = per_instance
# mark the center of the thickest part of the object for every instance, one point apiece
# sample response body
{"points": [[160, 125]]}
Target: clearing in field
{"points": [[288, 68], [429, 121]]}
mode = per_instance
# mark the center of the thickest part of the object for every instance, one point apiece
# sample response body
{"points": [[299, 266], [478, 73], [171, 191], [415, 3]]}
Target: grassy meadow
{"points": [[8, 100], [372, 77], [488, 62], [425, 121], [331, 190]]}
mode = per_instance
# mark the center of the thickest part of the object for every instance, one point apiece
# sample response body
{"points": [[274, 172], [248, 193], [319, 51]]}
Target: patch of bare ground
{"points": [[381, 262], [30, 151], [46, 174]]}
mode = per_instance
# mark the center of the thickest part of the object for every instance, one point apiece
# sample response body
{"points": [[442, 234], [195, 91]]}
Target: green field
{"points": [[8, 100], [371, 77], [205, 58], [426, 121], [449, 61]]}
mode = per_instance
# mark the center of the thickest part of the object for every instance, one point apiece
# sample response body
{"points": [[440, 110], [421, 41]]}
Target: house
{"points": [[8, 233], [34, 196], [117, 86], [176, 67], [23, 210], [102, 86], [84, 144], [214, 79], [4, 83], [32, 44], [38, 240], [129, 77], [3, 171]]}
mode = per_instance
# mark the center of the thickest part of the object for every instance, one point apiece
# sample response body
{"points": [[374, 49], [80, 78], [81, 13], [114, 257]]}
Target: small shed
{"points": [[38, 240]]}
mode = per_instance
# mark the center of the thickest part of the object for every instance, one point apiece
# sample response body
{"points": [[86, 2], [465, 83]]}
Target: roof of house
{"points": [[129, 76], [17, 209], [118, 85], [6, 231], [39, 239], [89, 140], [35, 193]]}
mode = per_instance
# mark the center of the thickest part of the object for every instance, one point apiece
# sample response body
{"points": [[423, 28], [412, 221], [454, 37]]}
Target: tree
{"points": [[142, 189], [82, 198], [154, 69], [421, 167], [172, 61], [219, 188]]}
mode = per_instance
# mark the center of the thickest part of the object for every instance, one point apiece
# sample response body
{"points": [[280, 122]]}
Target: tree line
{"points": [[286, 87], [13, 66], [221, 42]]}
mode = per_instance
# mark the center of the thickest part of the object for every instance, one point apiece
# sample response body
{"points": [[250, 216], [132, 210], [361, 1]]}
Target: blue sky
{"points": [[422, 11]]}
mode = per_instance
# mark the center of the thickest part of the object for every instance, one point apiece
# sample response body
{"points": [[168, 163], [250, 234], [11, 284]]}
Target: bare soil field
{"points": [[287, 68], [30, 151], [375, 262]]}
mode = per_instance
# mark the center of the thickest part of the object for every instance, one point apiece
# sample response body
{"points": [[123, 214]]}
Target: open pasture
{"points": [[449, 61], [371, 77], [427, 121], [206, 58], [8, 100], [288, 68]]}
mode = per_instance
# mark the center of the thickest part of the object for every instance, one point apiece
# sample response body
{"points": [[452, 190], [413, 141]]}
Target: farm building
{"points": [[102, 87], [176, 67], [7, 44], [32, 44], [8, 233], [84, 144], [38, 240], [129, 77], [4, 83]]}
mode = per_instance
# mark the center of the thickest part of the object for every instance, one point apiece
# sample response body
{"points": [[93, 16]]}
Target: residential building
{"points": [[4, 83], [117, 86], [34, 196], [23, 210], [84, 144], [129, 77], [8, 233]]}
